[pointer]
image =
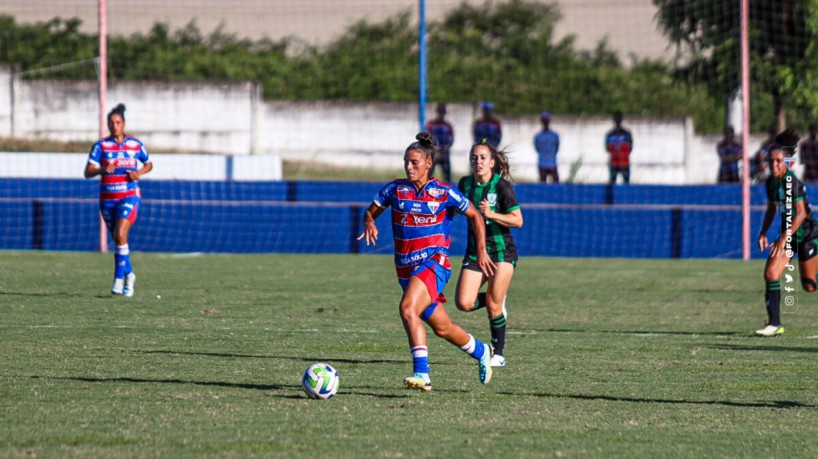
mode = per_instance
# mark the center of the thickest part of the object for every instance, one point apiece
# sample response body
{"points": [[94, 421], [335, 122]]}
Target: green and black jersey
{"points": [[784, 192], [500, 195]]}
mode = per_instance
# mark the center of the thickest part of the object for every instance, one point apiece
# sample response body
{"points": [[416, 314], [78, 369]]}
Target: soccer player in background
{"points": [[619, 144], [488, 126], [547, 144], [809, 154], [786, 194], [489, 190], [443, 133], [115, 158], [730, 153], [421, 215]]}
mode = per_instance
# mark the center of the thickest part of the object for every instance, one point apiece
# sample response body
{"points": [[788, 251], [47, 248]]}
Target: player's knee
{"points": [[464, 303], [770, 275], [808, 284]]}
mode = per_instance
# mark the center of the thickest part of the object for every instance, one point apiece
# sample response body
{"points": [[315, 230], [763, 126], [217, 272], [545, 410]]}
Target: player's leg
{"points": [[496, 298], [772, 295], [555, 176], [434, 277], [809, 266], [126, 217], [626, 175], [107, 210], [543, 175], [468, 296], [613, 171], [415, 299]]}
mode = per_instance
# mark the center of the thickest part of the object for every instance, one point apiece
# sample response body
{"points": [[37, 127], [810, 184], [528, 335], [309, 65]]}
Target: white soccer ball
{"points": [[320, 381]]}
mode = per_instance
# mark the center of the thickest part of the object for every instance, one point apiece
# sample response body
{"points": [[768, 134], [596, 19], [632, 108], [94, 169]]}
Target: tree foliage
{"points": [[503, 52], [782, 36]]}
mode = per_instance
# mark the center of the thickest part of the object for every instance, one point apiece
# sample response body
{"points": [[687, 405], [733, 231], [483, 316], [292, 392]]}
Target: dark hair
{"points": [[786, 141], [118, 110], [425, 144], [500, 158]]}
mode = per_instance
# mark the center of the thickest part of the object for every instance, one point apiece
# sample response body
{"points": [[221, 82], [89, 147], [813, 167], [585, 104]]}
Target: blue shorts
{"points": [[126, 208]]}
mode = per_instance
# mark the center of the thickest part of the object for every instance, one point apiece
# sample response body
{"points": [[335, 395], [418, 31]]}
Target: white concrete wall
{"points": [[166, 166], [231, 119]]}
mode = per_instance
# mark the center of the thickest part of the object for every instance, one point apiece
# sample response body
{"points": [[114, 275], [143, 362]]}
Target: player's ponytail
{"points": [[425, 143], [118, 110], [786, 141]]}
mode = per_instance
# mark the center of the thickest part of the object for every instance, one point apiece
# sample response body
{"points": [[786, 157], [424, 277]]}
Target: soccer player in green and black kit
{"points": [[799, 231], [488, 189]]}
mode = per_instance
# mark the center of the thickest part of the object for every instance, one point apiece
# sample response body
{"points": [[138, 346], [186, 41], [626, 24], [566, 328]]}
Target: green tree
{"points": [[782, 50]]}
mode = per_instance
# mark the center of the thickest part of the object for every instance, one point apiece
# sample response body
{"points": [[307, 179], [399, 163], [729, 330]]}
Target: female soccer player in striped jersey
{"points": [[488, 189], [115, 158], [421, 215], [799, 231]]}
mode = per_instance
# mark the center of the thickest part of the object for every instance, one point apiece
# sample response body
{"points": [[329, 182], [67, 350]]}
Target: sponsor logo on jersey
{"points": [[404, 189], [421, 220], [436, 192]]}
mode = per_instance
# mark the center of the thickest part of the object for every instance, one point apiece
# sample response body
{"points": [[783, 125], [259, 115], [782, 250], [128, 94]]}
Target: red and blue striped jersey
{"points": [[124, 156], [421, 219]]}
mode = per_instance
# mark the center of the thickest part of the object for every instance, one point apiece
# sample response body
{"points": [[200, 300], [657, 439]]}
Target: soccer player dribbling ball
{"points": [[489, 190], [115, 159], [421, 214], [799, 230]]}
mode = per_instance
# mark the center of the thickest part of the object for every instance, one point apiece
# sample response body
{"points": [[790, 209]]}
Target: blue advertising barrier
{"points": [[637, 221]]}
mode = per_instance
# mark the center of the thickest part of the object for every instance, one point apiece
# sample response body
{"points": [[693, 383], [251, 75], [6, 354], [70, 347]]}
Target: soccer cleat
{"points": [[418, 381], [771, 330], [129, 281], [498, 360], [484, 365], [116, 289]]}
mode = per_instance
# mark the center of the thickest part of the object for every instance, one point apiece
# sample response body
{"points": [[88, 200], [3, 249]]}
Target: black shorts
{"points": [[806, 249], [472, 265]]}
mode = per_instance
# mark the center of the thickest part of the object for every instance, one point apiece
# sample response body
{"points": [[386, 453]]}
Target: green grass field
{"points": [[607, 358]]}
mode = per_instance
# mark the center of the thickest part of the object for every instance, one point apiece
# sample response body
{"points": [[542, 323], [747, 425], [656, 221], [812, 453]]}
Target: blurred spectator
{"points": [[547, 144], [443, 134], [809, 154], [730, 153], [759, 167], [487, 126], [619, 144]]}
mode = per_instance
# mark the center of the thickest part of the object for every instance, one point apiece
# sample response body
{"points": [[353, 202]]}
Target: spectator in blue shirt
{"points": [[547, 144], [487, 126]]}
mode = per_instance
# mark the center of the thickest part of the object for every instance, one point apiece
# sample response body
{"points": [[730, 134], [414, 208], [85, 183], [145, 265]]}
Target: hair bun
{"points": [[787, 138], [120, 108], [425, 138]]}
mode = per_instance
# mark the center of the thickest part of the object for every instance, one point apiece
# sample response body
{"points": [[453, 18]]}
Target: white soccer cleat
{"points": [[771, 330], [498, 360], [116, 289], [484, 365], [130, 279]]}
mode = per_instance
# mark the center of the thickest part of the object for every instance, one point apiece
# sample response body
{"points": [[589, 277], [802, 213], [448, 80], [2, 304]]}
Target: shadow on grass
{"points": [[302, 359], [608, 398], [632, 332], [765, 348], [362, 391]]}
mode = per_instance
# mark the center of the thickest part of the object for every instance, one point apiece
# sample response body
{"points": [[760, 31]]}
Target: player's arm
{"points": [[513, 219], [769, 216], [368, 221], [92, 170], [478, 225], [134, 175]]}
